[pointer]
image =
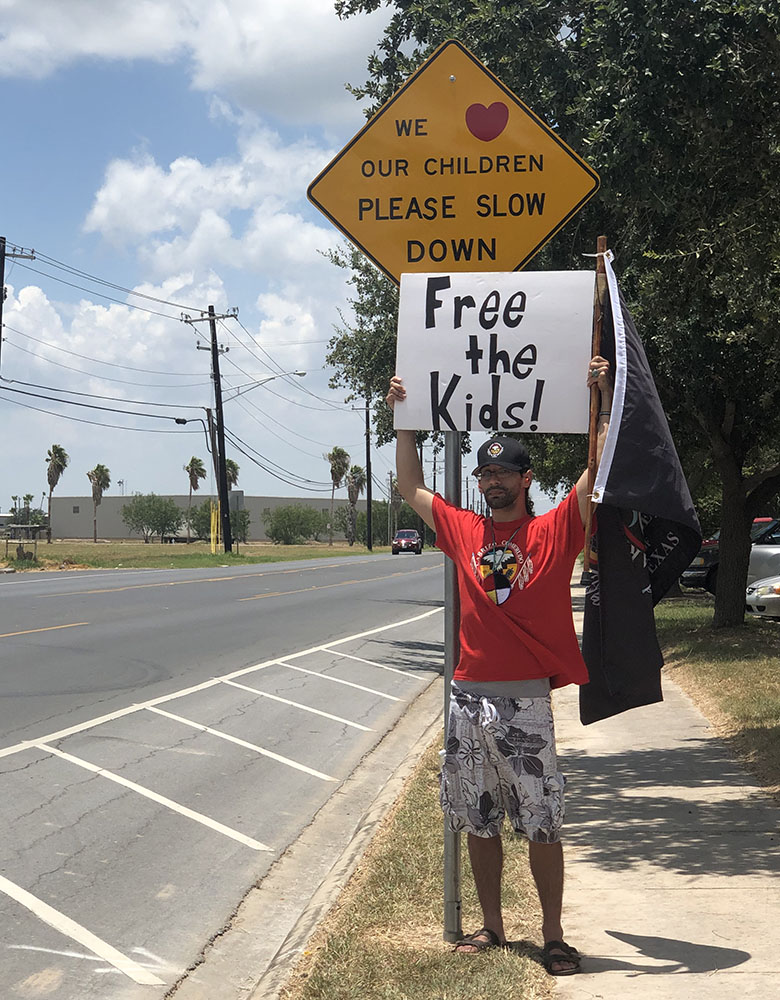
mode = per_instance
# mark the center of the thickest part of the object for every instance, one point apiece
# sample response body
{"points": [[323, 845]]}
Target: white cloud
{"points": [[43, 36], [288, 59], [117, 335], [244, 212], [139, 197]]}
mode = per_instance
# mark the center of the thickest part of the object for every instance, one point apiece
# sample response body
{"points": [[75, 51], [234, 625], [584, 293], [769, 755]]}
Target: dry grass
{"points": [[80, 554], [383, 940], [732, 674]]}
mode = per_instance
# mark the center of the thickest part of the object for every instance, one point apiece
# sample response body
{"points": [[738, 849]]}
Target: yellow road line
{"points": [[49, 628], [184, 583], [343, 583]]}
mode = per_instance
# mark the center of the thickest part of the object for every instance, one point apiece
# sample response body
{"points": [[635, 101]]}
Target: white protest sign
{"points": [[498, 352]]}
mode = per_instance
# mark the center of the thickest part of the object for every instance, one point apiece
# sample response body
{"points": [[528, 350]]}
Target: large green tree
{"points": [[56, 463], [149, 514], [100, 480], [677, 106], [292, 524]]}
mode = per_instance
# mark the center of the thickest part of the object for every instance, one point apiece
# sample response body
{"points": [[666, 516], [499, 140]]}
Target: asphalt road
{"points": [[165, 735]]}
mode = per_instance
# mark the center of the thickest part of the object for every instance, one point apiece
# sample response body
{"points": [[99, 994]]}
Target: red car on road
{"points": [[407, 540]]}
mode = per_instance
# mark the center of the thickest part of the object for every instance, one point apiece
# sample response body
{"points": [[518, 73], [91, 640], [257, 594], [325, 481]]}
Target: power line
{"points": [[275, 429], [94, 395], [274, 475], [96, 423], [100, 295], [53, 262], [297, 385], [94, 406], [103, 378], [97, 361], [294, 475]]}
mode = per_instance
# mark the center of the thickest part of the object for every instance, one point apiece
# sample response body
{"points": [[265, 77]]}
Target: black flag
{"points": [[647, 531]]}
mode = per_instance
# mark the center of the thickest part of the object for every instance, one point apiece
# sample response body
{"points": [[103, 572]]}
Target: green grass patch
{"points": [[732, 673], [383, 940], [21, 564], [138, 555]]}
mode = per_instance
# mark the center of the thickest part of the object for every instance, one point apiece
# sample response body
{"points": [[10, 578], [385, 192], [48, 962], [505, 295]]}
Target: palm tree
{"points": [[58, 460], [232, 470], [196, 471], [356, 483], [100, 478], [339, 465]]}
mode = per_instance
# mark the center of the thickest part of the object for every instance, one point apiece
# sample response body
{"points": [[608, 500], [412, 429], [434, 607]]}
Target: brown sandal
{"points": [[482, 940], [557, 952]]}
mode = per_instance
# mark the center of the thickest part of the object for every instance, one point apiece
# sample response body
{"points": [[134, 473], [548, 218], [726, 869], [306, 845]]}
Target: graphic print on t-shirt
{"points": [[498, 568]]}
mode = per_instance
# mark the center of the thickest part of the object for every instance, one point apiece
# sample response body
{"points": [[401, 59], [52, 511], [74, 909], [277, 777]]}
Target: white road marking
{"points": [[362, 635], [337, 680], [243, 743], [131, 709], [161, 799], [55, 951], [79, 934], [382, 666], [296, 704]]}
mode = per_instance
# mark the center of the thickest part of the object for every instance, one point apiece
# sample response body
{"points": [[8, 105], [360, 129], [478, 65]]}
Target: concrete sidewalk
{"points": [[672, 858], [672, 888]]}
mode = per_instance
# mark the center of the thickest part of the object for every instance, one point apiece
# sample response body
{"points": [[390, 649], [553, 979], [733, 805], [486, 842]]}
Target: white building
{"points": [[71, 517]]}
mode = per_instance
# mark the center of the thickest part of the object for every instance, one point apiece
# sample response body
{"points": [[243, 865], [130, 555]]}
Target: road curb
{"points": [[253, 958]]}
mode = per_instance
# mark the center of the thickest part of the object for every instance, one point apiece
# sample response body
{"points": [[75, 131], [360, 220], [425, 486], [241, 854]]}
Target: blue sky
{"points": [[166, 146]]}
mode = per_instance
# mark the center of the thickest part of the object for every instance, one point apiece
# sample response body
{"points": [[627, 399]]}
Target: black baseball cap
{"points": [[505, 452]]}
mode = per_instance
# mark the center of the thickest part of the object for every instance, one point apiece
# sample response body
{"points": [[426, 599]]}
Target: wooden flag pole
{"points": [[599, 301]]}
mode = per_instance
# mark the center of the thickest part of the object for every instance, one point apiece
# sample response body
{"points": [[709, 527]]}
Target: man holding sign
{"points": [[517, 641]]}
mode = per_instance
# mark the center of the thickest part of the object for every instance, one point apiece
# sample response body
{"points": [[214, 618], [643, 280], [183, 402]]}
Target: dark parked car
{"points": [[407, 540], [764, 556]]}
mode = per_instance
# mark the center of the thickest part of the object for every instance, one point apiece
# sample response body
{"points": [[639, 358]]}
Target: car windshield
{"points": [[406, 534], [756, 529], [762, 526]]}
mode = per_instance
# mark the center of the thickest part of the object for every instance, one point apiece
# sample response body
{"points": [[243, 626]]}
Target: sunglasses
{"points": [[485, 475]]}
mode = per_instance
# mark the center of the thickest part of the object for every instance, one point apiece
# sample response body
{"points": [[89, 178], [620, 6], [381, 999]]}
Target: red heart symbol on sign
{"points": [[487, 123]]}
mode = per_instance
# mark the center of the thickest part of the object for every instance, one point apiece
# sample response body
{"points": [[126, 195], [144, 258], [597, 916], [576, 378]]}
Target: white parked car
{"points": [[763, 597]]}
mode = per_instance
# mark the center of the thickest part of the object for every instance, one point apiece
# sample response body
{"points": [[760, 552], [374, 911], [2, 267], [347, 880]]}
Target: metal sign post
{"points": [[452, 923]]}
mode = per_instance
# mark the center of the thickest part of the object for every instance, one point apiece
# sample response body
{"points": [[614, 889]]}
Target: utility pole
{"points": [[16, 253], [369, 493], [222, 484], [390, 508]]}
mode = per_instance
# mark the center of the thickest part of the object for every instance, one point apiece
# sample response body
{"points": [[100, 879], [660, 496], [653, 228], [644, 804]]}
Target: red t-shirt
{"points": [[515, 601]]}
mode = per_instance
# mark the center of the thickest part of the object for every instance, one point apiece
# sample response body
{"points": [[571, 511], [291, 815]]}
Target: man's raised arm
{"points": [[598, 374], [411, 483]]}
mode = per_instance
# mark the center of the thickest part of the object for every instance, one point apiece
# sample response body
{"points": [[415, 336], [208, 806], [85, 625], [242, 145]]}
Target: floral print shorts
{"points": [[500, 761]]}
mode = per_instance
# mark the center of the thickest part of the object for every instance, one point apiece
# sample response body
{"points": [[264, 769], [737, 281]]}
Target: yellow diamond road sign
{"points": [[454, 173]]}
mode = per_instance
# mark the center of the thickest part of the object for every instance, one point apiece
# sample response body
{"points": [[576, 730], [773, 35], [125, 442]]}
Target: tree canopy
{"points": [[292, 524], [677, 106], [149, 514]]}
